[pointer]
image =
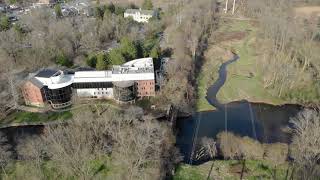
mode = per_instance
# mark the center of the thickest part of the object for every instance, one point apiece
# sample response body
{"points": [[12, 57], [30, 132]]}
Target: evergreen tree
{"points": [[115, 57], [62, 60], [57, 10], [4, 23], [111, 7], [91, 61], [101, 62], [155, 52], [147, 4], [128, 49]]}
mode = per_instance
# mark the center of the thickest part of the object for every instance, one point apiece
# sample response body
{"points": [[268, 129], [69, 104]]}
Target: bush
{"points": [[115, 57], [57, 10], [99, 12], [229, 145], [4, 23], [276, 153], [147, 4], [235, 147], [128, 49], [251, 149], [63, 60], [102, 63], [92, 61]]}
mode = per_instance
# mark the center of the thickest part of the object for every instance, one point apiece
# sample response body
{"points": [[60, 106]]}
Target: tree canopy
{"points": [[115, 57], [147, 4], [101, 62], [128, 49]]}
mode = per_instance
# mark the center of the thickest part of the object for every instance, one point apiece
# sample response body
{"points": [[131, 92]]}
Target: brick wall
{"points": [[32, 94], [145, 88]]}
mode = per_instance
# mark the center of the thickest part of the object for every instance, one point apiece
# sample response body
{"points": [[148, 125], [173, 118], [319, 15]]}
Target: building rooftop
{"points": [[123, 84], [138, 69], [145, 12], [36, 82], [135, 70], [46, 73]]}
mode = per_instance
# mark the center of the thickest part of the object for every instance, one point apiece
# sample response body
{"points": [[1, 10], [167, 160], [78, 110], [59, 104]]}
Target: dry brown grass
{"points": [[307, 11], [156, 3]]}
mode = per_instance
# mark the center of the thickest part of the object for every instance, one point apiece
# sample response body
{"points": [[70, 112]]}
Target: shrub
{"points": [[229, 145], [276, 153], [115, 57], [92, 61], [102, 63], [63, 60], [4, 23], [57, 10], [235, 147], [251, 149], [128, 49]]}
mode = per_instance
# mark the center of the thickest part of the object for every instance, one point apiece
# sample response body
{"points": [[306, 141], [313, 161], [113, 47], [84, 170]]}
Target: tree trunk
{"points": [[226, 8], [243, 168], [210, 170], [234, 6]]}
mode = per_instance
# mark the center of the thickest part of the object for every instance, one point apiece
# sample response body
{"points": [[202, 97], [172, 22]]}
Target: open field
{"points": [[307, 11], [230, 170], [244, 79]]}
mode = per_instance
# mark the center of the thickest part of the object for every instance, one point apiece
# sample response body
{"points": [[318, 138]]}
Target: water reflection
{"points": [[264, 122]]}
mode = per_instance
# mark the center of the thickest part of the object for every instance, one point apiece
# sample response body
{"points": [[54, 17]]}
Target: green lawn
{"points": [[49, 170], [205, 79], [31, 117], [229, 169], [244, 79]]}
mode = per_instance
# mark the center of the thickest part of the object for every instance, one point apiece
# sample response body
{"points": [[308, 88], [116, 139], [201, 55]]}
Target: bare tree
{"points": [[5, 153], [306, 146], [276, 154]]}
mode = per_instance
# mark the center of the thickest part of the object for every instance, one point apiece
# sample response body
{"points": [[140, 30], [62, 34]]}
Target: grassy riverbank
{"points": [[244, 79], [230, 169]]}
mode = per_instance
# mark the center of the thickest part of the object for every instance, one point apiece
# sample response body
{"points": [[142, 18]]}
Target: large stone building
{"points": [[139, 15], [123, 83]]}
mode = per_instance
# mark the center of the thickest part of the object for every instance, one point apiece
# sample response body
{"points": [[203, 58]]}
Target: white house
{"points": [[139, 15]]}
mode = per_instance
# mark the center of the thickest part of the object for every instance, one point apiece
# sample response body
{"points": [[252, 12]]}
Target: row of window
{"points": [[145, 83], [144, 88], [92, 85], [102, 93]]}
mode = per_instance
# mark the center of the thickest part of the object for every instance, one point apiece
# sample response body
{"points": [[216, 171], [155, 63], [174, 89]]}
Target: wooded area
{"points": [[127, 145]]}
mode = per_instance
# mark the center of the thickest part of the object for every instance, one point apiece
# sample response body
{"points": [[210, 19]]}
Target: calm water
{"points": [[266, 123], [263, 122]]}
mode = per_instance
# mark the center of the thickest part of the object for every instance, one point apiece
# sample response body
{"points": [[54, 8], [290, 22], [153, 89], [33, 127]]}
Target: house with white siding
{"points": [[139, 15]]}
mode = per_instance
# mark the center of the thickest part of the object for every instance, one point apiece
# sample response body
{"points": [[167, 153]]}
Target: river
{"points": [[263, 122]]}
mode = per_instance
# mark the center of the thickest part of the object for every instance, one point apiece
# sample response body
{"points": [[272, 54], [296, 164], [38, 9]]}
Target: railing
{"points": [[60, 106]]}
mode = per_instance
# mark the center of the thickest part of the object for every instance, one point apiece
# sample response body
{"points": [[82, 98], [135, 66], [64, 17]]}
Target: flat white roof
{"points": [[135, 70], [93, 74], [140, 63], [57, 82], [86, 77]]}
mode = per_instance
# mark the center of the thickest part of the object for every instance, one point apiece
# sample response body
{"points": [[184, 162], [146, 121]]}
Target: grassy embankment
{"points": [[244, 79], [230, 170], [31, 117], [24, 117], [100, 167]]}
